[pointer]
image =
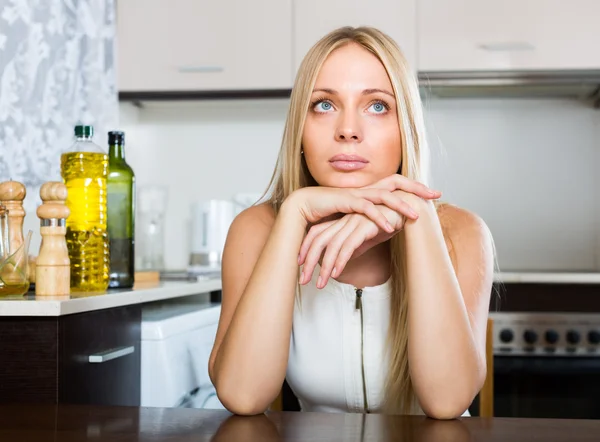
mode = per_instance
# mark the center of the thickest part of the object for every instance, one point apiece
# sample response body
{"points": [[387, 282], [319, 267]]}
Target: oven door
{"points": [[559, 387]]}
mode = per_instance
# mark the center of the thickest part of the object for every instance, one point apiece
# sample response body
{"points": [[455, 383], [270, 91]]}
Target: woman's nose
{"points": [[348, 128]]}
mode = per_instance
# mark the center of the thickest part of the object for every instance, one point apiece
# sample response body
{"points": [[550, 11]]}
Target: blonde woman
{"points": [[352, 282]]}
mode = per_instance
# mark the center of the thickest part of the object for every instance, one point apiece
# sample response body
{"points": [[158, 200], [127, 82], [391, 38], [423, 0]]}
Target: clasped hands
{"points": [[340, 237]]}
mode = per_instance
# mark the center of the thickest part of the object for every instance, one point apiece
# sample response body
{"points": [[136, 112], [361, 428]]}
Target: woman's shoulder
{"points": [[454, 218], [462, 226], [257, 217]]}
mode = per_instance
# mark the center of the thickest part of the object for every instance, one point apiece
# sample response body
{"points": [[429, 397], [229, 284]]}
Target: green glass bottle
{"points": [[120, 186]]}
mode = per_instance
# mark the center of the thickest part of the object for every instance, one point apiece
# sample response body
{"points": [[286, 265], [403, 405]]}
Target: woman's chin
{"points": [[351, 180]]}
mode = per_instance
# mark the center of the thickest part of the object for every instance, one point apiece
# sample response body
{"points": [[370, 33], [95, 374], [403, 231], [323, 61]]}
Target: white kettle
{"points": [[210, 223]]}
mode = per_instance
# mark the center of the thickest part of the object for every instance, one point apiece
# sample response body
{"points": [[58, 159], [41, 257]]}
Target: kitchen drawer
{"points": [[100, 357]]}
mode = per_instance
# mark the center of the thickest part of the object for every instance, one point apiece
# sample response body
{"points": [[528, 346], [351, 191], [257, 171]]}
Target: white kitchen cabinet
{"points": [[194, 45], [315, 18], [462, 35]]}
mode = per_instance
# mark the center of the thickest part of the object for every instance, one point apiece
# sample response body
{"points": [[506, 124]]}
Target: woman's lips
{"points": [[348, 163]]}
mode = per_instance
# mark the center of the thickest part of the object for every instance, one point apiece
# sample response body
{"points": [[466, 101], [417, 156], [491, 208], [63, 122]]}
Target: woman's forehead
{"points": [[352, 68]]}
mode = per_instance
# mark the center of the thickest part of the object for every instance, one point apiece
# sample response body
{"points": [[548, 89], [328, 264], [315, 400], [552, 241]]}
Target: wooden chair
{"points": [[486, 395]]}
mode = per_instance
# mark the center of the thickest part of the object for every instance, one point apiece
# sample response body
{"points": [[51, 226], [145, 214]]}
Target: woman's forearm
{"points": [[446, 366], [251, 361]]}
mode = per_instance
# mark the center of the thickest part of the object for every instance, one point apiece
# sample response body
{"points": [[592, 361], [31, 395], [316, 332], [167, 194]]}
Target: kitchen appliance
{"points": [[177, 338], [547, 351], [210, 223]]}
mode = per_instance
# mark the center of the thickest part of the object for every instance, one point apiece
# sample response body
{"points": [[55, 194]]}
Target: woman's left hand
{"points": [[341, 240]]}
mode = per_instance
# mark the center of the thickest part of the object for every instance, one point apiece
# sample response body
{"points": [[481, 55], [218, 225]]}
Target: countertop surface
{"points": [[88, 423], [30, 305]]}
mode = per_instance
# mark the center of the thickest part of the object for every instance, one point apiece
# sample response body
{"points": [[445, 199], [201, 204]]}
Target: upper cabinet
{"points": [[192, 45], [315, 18], [462, 35]]}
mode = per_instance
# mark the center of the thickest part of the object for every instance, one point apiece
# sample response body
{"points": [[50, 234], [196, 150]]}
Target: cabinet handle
{"points": [[200, 69], [110, 354], [507, 46]]}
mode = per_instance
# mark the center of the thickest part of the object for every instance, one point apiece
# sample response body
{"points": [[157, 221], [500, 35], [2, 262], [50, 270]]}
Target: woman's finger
{"points": [[315, 230], [333, 247], [358, 230], [400, 182], [317, 246], [350, 245], [390, 200], [358, 204]]}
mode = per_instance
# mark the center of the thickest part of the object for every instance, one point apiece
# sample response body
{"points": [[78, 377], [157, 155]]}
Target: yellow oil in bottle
{"points": [[84, 174]]}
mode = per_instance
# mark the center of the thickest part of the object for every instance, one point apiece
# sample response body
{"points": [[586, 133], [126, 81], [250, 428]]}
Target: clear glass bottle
{"points": [[151, 225], [84, 169], [121, 213]]}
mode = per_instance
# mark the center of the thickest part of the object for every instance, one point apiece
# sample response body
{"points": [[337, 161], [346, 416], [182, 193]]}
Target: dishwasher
{"points": [[177, 338]]}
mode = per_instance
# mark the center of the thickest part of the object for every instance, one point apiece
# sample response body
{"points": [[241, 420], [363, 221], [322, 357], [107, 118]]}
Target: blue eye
{"points": [[323, 106], [378, 108]]}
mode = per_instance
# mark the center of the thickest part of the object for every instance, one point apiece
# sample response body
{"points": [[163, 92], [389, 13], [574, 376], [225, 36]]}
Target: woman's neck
{"points": [[370, 269]]}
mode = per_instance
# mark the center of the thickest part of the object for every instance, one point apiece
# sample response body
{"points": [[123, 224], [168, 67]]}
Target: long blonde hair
{"points": [[291, 173]]}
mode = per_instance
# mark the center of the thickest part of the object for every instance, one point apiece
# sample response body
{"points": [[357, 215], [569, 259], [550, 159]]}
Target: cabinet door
{"points": [[100, 361], [192, 45], [460, 35], [315, 18]]}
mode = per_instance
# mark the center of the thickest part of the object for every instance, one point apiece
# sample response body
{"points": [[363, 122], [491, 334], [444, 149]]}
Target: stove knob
{"points": [[551, 337], [573, 337], [530, 336], [506, 335], [594, 337]]}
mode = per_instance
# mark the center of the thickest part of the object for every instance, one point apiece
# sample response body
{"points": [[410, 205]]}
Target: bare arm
{"points": [[249, 359], [448, 307]]}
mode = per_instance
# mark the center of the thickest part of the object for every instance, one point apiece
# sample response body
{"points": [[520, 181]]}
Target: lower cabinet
{"points": [[84, 358]]}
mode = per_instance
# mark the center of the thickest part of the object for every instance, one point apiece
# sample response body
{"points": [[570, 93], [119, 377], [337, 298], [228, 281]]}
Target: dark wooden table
{"points": [[61, 423]]}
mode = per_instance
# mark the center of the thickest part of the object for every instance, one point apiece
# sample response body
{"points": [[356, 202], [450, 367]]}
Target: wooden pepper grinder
{"points": [[53, 267], [12, 194]]}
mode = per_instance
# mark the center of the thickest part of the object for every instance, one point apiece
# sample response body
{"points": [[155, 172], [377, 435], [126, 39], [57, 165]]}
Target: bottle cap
{"points": [[84, 131], [116, 137]]}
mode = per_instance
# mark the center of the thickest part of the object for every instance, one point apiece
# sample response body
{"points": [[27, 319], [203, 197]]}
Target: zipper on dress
{"points": [[358, 306]]}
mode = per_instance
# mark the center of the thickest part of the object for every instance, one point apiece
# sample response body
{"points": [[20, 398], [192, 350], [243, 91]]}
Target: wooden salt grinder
{"points": [[12, 194], [53, 268]]}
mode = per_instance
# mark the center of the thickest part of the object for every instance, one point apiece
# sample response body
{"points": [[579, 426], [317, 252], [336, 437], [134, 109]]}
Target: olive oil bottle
{"points": [[121, 213], [84, 169]]}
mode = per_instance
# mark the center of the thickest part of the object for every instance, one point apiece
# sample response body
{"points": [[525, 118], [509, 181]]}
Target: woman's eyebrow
{"points": [[365, 92]]}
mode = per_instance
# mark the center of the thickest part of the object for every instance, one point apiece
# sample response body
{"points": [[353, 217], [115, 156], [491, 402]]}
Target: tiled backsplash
{"points": [[528, 167]]}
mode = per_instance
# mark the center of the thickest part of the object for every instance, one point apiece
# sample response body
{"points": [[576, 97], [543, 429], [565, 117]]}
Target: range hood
{"points": [[575, 84]]}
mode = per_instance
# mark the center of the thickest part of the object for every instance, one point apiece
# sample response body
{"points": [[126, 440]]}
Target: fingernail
{"points": [[301, 278], [319, 282], [298, 259], [389, 227], [334, 272], [413, 213]]}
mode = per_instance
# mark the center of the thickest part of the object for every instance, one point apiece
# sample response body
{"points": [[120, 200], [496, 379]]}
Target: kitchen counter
{"points": [[548, 277], [34, 423], [30, 305]]}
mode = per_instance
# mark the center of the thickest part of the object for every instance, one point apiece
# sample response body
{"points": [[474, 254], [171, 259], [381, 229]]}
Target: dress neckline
{"points": [[377, 291]]}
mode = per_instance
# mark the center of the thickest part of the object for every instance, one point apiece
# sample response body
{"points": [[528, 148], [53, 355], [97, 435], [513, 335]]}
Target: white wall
{"points": [[526, 166]]}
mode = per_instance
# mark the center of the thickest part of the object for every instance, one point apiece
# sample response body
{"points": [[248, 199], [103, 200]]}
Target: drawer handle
{"points": [[200, 69], [110, 354]]}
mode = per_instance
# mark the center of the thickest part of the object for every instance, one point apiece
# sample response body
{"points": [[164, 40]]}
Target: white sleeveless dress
{"points": [[337, 360]]}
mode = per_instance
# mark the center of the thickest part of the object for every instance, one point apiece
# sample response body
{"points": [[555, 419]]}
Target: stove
{"points": [[546, 345], [546, 334]]}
